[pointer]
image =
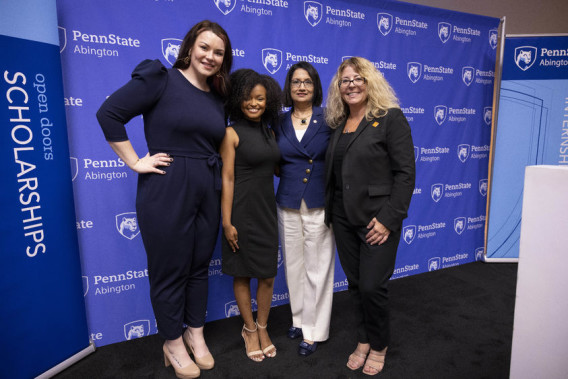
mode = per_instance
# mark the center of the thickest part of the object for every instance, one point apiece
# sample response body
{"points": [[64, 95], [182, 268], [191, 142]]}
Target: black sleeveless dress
{"points": [[254, 205]]}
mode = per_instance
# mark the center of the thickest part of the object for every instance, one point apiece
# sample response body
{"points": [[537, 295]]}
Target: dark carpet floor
{"points": [[452, 323]]}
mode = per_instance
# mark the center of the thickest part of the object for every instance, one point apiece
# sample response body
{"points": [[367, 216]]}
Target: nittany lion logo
{"points": [[463, 152], [127, 225], [74, 168], [493, 34], [384, 22], [414, 71], [136, 329], [416, 153], [408, 233], [437, 191], [225, 6], [231, 309], [434, 264], [525, 56], [85, 285], [170, 49], [313, 12], [488, 115], [440, 113], [483, 187], [459, 224], [444, 31], [272, 60], [479, 254], [62, 38], [468, 74]]}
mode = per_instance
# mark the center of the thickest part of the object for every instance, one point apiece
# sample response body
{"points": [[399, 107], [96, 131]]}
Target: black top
{"points": [[178, 117]]}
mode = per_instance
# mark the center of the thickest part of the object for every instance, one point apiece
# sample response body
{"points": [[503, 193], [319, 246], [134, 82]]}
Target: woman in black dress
{"points": [[178, 197], [250, 243]]}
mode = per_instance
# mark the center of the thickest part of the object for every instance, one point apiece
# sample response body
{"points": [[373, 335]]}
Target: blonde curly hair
{"points": [[380, 95]]}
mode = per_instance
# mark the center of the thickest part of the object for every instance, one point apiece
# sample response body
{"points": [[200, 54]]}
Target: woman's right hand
{"points": [[150, 163], [232, 237]]}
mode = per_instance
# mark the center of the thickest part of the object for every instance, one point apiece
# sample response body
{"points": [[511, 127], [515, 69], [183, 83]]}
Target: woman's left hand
{"points": [[378, 233]]}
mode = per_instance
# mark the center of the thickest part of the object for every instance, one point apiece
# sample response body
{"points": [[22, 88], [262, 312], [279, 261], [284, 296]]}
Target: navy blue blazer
{"points": [[303, 162]]}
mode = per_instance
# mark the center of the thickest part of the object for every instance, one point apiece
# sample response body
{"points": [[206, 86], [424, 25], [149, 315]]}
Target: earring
{"points": [[186, 60]]}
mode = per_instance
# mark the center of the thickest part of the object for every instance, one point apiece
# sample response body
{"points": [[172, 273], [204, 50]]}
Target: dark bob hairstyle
{"points": [[242, 83], [318, 92], [219, 81]]}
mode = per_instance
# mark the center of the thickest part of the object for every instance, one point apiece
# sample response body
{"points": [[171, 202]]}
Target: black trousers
{"points": [[179, 216], [368, 270]]}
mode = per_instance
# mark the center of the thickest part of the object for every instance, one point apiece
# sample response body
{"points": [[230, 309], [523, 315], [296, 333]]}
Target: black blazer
{"points": [[378, 171]]}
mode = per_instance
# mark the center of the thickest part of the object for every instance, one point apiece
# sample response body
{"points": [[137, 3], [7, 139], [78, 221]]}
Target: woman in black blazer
{"points": [[369, 182], [306, 242]]}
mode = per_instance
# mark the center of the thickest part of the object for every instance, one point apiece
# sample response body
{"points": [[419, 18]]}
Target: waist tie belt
{"points": [[213, 161]]}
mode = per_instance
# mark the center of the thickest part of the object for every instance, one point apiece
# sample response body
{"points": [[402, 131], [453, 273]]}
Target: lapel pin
{"points": [[315, 121], [375, 124]]}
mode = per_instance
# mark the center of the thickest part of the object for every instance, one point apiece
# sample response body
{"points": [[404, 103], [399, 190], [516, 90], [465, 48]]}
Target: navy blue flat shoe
{"points": [[306, 349], [294, 332]]}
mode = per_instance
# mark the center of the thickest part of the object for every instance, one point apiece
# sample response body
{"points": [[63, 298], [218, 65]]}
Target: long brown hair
{"points": [[219, 81]]}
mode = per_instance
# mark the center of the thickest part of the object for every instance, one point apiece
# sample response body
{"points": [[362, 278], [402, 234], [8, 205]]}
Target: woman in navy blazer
{"points": [[369, 182], [306, 242]]}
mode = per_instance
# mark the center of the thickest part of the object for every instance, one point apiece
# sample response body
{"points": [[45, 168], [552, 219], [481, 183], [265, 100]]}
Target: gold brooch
{"points": [[375, 124]]}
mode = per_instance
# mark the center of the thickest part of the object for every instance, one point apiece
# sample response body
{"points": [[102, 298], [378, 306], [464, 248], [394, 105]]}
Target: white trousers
{"points": [[308, 249]]}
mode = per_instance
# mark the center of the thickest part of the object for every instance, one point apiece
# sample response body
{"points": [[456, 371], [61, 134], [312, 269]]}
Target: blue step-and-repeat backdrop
{"points": [[440, 63]]}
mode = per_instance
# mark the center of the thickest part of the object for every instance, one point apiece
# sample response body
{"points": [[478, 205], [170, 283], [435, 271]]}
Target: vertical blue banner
{"points": [[440, 63], [43, 312], [532, 130]]}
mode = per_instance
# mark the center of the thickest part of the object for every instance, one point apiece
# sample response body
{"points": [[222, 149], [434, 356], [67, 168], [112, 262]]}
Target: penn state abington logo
{"points": [[437, 191], [483, 187], [468, 74], [408, 233], [271, 60], [62, 38], [459, 224], [313, 12], [479, 253], [127, 225], [463, 152], [433, 264], [136, 329], [488, 115], [444, 31], [74, 168], [440, 113], [493, 34], [232, 309], [384, 23], [525, 56], [85, 285], [225, 6], [414, 71], [170, 49]]}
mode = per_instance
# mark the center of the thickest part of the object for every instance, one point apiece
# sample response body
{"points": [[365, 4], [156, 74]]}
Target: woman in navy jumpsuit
{"points": [[178, 195]]}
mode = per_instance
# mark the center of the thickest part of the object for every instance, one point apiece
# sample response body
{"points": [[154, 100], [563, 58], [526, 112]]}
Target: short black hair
{"points": [[312, 72], [242, 83]]}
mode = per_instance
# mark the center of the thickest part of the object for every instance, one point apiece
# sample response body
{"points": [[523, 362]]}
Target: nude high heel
{"points": [[205, 363], [187, 372], [267, 349], [256, 355]]}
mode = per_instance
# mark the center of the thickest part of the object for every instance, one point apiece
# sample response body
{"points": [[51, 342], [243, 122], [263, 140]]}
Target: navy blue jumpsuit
{"points": [[178, 213]]}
